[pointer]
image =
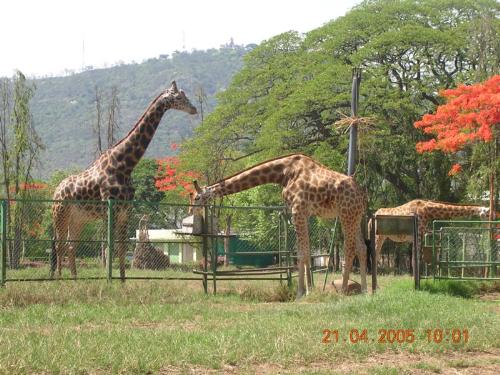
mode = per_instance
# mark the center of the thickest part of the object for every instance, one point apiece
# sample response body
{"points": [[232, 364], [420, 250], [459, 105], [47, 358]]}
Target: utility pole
{"points": [[353, 134]]}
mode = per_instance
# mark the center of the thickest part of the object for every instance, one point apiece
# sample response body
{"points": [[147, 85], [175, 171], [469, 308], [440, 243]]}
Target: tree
{"points": [[113, 113], [143, 180], [98, 121], [113, 116], [20, 148], [293, 87], [470, 115]]}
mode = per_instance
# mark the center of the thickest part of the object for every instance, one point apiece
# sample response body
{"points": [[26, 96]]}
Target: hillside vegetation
{"points": [[64, 111]]}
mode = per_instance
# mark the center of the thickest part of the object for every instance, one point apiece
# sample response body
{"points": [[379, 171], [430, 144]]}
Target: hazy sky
{"points": [[42, 37]]}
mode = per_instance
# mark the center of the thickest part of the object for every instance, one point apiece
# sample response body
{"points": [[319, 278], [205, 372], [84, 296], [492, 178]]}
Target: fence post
{"points": [[280, 229], [373, 254], [416, 252], [286, 246], [204, 232], [3, 250], [213, 248], [111, 240]]}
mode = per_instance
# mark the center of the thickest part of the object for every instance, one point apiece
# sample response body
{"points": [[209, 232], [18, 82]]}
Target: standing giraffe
{"points": [[108, 178], [426, 212], [309, 188]]}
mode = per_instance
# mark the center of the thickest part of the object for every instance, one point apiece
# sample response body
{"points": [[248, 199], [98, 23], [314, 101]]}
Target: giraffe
{"points": [[426, 211], [108, 177], [309, 188]]}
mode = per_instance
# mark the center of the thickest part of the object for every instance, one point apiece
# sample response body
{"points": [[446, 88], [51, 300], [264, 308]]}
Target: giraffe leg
{"points": [[60, 218], [379, 242], [301, 229], [74, 231], [420, 235], [349, 227], [361, 252]]}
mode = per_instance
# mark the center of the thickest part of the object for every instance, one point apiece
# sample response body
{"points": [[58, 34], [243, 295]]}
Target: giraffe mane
{"points": [[261, 163], [131, 130], [453, 204], [139, 120]]}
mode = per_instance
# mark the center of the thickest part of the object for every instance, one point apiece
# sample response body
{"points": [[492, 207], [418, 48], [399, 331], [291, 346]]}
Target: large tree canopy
{"points": [[294, 87]]}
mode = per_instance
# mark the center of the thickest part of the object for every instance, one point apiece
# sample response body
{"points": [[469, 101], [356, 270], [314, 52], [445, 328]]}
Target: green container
{"points": [[237, 244]]}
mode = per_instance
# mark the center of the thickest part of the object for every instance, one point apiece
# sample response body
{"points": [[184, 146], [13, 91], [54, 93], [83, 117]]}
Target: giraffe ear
{"points": [[173, 87], [196, 186]]}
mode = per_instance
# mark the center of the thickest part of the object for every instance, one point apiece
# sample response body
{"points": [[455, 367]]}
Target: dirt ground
{"points": [[450, 363]]}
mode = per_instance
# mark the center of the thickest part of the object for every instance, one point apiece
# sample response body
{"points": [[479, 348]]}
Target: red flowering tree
{"points": [[170, 177], [471, 114]]}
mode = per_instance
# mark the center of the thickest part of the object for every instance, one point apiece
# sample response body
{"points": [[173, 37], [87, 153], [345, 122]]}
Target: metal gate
{"points": [[465, 250]]}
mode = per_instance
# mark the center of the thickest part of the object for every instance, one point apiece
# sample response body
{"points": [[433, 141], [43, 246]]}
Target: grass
{"points": [[145, 326], [464, 289], [428, 367]]}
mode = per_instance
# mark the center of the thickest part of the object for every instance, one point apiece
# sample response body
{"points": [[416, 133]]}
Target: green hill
{"points": [[64, 107]]}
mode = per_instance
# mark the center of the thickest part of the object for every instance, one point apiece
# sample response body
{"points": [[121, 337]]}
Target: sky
{"points": [[52, 37]]}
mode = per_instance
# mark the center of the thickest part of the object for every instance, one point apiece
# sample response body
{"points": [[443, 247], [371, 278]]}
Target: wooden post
{"points": [[353, 132], [213, 250], [373, 255], [204, 232], [280, 225], [416, 253]]}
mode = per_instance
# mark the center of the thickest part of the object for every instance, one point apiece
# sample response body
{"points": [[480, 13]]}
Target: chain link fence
{"points": [[150, 240], [466, 249]]}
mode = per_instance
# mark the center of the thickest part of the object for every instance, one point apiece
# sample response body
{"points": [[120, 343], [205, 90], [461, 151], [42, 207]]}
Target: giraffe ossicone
{"points": [[108, 177], [309, 189]]}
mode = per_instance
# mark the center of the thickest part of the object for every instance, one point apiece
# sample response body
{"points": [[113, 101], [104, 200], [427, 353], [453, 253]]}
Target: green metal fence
{"points": [[465, 250], [157, 242]]}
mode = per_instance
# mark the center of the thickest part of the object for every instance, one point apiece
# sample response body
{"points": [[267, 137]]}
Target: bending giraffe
{"points": [[108, 178], [426, 211], [309, 188]]}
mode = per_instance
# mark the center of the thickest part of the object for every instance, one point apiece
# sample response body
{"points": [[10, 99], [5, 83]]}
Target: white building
{"points": [[179, 244]]}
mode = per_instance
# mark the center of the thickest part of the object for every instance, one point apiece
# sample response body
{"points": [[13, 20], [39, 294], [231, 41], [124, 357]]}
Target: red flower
{"points": [[455, 169], [170, 177], [469, 115]]}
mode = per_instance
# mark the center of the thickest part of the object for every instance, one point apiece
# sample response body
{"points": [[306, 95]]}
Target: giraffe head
{"points": [[483, 213], [197, 200], [177, 99], [202, 196]]}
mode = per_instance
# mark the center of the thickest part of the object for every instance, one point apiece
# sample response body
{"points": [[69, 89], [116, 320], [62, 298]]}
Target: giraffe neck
{"points": [[129, 151], [449, 211], [265, 173]]}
